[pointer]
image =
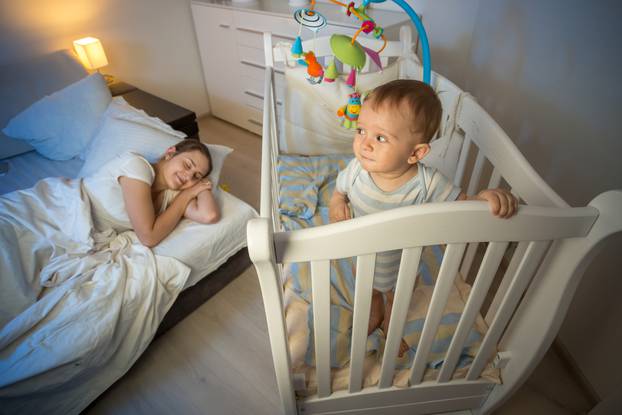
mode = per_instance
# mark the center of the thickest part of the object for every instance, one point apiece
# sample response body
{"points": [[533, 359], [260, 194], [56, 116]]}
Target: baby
{"points": [[395, 125]]}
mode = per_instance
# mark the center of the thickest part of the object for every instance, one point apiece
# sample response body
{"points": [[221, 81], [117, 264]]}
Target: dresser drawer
{"points": [[253, 96], [285, 27], [253, 120], [254, 38], [257, 73]]}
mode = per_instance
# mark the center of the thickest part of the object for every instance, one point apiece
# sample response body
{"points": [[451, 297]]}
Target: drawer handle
{"points": [[259, 32], [255, 122], [224, 25], [260, 66], [253, 94], [260, 96]]}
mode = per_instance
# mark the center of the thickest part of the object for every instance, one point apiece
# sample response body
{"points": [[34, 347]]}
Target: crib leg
{"points": [[261, 252]]}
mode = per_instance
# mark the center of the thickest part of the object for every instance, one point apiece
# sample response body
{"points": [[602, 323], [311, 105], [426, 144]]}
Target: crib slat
{"points": [[476, 175], [485, 275], [362, 300], [406, 278], [320, 280], [464, 155], [467, 261], [444, 282], [495, 179], [524, 273], [517, 257]]}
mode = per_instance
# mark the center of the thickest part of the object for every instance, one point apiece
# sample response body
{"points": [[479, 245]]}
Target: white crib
{"points": [[555, 243]]}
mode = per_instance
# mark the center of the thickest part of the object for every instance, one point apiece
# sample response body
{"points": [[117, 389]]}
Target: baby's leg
{"points": [[387, 317], [376, 314]]}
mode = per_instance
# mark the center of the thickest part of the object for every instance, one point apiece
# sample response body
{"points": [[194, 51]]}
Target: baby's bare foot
{"points": [[376, 314], [387, 319]]}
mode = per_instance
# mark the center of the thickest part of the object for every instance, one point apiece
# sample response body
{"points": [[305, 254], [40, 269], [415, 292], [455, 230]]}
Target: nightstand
{"points": [[178, 117]]}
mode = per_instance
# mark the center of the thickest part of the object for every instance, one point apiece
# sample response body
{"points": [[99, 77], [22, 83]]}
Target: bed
{"points": [[528, 270], [100, 302]]}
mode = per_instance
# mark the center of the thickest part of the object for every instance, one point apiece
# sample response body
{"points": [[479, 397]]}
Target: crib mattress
{"points": [[203, 248]]}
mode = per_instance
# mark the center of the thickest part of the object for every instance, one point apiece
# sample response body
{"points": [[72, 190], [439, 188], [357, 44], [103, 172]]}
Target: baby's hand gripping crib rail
{"points": [[555, 243]]}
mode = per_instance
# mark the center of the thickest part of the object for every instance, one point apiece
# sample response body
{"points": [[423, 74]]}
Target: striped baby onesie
{"points": [[429, 185]]}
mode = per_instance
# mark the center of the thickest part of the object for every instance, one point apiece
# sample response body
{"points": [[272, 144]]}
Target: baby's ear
{"points": [[419, 152]]}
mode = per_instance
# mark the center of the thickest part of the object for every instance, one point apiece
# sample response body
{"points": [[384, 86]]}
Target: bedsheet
{"points": [[77, 306], [306, 184]]}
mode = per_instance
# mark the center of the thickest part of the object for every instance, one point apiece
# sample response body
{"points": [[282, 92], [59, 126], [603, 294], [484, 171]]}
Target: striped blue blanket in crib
{"points": [[306, 185]]}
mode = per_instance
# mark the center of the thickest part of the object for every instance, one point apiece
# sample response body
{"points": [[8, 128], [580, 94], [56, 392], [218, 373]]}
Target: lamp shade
{"points": [[91, 52]]}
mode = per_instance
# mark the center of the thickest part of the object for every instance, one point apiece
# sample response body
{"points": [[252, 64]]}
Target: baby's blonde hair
{"points": [[420, 99]]}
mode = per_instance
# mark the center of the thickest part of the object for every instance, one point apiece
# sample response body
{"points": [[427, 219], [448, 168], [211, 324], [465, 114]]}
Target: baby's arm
{"points": [[338, 209], [502, 203], [204, 208]]}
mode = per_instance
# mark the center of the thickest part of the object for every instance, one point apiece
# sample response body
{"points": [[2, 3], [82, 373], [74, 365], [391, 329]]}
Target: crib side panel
{"points": [[486, 141]]}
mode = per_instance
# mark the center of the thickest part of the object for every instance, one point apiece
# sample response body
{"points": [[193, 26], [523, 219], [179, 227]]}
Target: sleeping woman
{"points": [[130, 193]]}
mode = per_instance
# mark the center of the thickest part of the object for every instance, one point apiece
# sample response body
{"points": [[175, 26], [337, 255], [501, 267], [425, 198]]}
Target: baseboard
{"points": [[573, 368]]}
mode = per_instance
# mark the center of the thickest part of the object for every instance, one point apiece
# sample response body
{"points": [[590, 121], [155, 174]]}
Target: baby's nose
{"points": [[369, 143]]}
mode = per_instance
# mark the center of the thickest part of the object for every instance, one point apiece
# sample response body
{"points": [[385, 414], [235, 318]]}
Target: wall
{"points": [[149, 43], [548, 72]]}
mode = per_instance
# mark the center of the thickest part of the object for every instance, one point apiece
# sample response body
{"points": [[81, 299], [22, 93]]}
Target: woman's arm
{"points": [[204, 208], [149, 228]]}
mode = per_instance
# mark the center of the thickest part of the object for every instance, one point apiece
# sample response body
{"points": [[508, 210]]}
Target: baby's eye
{"points": [[360, 131], [381, 139]]}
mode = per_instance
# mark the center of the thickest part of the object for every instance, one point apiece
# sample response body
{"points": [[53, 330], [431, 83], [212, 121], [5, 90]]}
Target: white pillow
{"points": [[120, 108], [125, 131], [61, 125]]}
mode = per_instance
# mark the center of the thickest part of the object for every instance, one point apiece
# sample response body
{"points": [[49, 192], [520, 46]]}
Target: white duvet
{"points": [[77, 307]]}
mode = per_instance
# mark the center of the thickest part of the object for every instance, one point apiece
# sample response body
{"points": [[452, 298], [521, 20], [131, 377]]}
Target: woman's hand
{"points": [[338, 208], [198, 187], [502, 203], [203, 208]]}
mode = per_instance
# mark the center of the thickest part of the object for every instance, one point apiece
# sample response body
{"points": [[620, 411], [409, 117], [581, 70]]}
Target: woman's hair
{"points": [[192, 144], [422, 102]]}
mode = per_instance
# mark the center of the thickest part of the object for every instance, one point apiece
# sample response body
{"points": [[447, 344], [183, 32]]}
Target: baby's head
{"points": [[184, 164], [396, 123]]}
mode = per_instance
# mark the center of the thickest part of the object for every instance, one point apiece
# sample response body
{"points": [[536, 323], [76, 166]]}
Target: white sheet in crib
{"points": [[203, 248]]}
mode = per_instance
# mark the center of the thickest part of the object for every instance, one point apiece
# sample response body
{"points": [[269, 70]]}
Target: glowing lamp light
{"points": [[91, 53]]}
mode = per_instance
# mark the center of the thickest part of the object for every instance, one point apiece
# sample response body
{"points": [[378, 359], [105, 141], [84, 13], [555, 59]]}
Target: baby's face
{"points": [[384, 142]]}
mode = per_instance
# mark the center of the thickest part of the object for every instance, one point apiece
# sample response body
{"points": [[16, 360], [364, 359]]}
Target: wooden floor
{"points": [[218, 361]]}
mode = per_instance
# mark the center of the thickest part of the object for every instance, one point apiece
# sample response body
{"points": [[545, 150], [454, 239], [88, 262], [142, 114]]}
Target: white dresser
{"points": [[230, 38]]}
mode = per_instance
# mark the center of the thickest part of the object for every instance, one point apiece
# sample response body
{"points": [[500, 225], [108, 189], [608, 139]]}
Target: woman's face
{"points": [[183, 170]]}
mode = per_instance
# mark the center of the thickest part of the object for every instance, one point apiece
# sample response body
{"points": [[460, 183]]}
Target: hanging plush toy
{"points": [[350, 111], [314, 69]]}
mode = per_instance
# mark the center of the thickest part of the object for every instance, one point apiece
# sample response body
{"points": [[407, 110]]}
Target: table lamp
{"points": [[91, 53]]}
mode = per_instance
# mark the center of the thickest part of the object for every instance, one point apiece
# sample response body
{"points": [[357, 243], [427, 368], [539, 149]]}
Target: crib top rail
{"points": [[430, 224]]}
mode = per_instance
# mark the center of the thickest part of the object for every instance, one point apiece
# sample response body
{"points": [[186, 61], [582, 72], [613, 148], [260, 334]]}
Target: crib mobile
{"points": [[348, 51]]}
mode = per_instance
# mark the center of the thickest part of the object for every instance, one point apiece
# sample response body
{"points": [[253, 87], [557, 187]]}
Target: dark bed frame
{"points": [[191, 298]]}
